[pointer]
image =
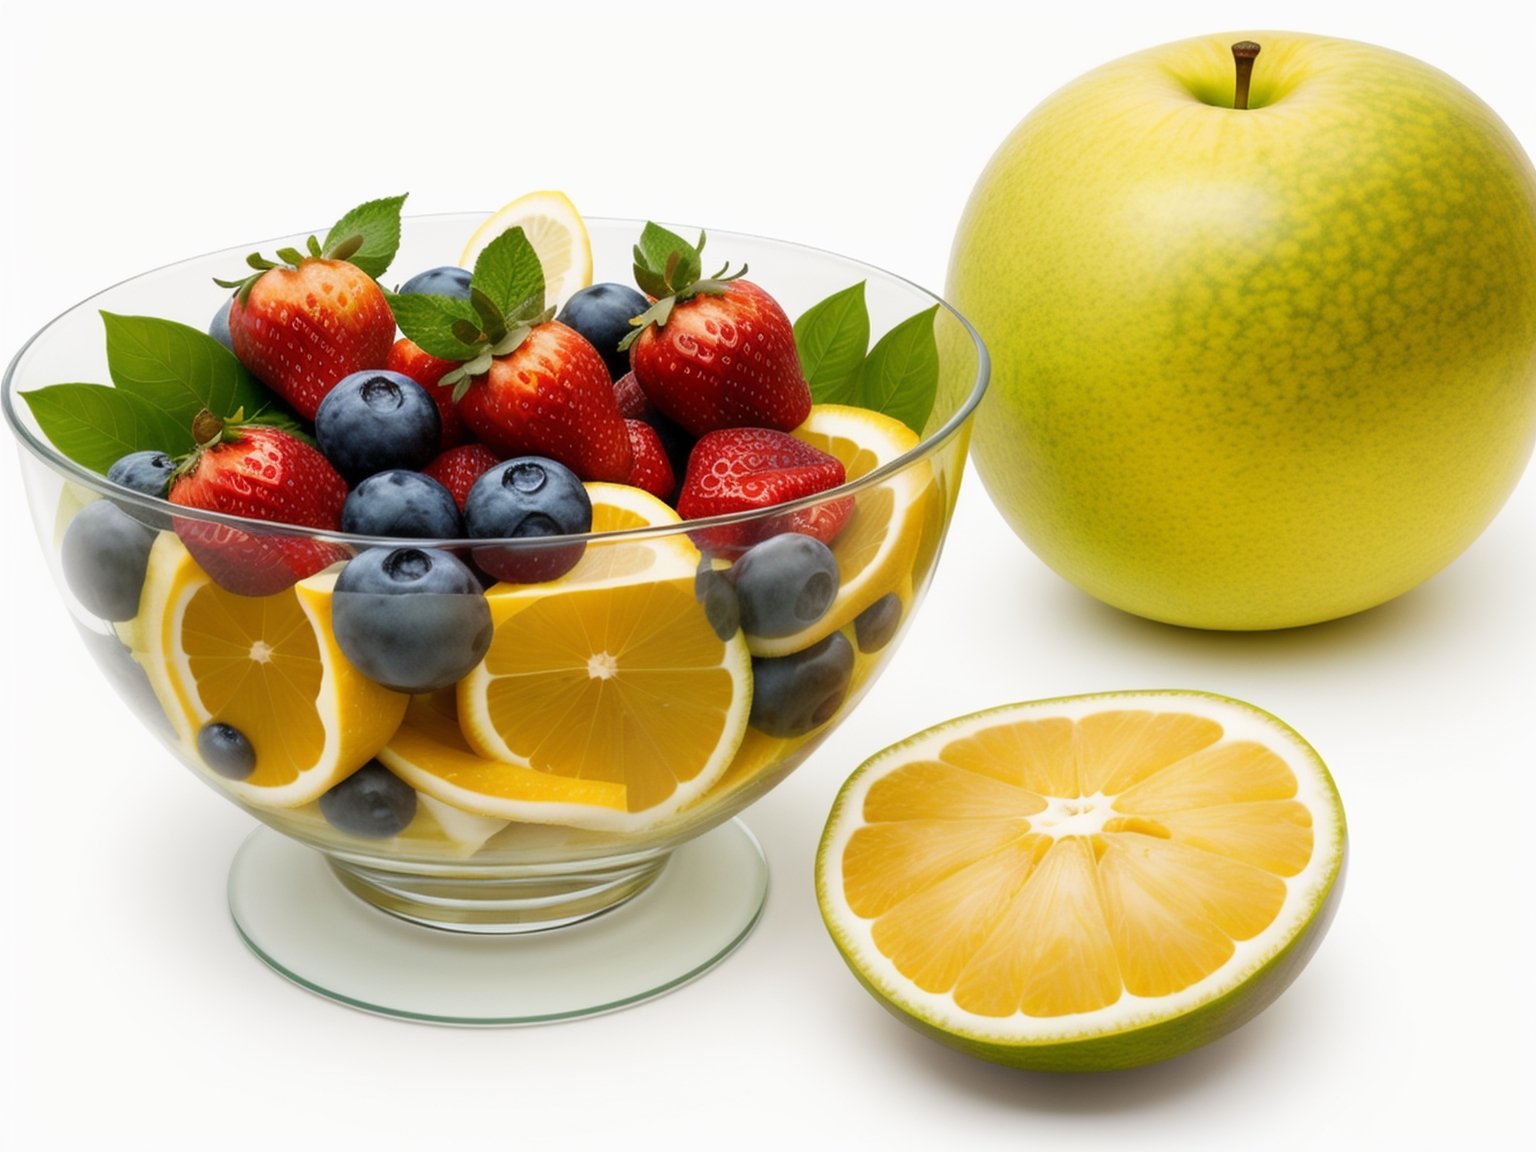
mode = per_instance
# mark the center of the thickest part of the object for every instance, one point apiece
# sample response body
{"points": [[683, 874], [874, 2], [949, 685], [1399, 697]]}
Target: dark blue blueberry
{"points": [[375, 420], [527, 497], [218, 327], [226, 750], [445, 281], [148, 473], [372, 802], [104, 554], [792, 695], [714, 591], [412, 619], [397, 502], [784, 584], [602, 313], [875, 627]]}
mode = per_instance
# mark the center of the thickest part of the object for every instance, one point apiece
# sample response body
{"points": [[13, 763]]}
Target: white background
{"points": [[160, 131]]}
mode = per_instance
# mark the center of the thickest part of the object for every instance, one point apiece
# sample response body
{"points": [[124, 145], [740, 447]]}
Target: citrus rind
{"points": [[1132, 1030]]}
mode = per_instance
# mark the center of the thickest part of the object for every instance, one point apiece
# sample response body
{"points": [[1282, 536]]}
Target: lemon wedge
{"points": [[555, 230]]}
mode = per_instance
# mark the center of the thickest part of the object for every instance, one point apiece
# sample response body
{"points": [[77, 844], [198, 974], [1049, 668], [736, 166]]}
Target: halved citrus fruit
{"points": [[267, 666], [557, 233], [875, 548], [612, 674], [619, 507], [1087, 883]]}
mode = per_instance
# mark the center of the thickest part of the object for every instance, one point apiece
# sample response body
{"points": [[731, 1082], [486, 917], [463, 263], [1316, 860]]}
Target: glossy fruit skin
{"points": [[218, 327], [459, 467], [226, 750], [551, 397], [300, 330], [527, 497], [1285, 387], [412, 619], [651, 470], [602, 313], [784, 584], [446, 280], [372, 803], [399, 502], [104, 555], [407, 358], [724, 360], [149, 474], [262, 474], [376, 420], [796, 694], [740, 469]]}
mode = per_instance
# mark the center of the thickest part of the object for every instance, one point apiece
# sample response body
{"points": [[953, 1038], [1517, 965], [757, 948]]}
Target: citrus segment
{"points": [[555, 230], [267, 666], [875, 548], [612, 674], [1093, 882]]}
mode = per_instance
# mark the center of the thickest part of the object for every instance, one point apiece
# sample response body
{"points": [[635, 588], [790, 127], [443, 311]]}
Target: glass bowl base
{"points": [[293, 913]]}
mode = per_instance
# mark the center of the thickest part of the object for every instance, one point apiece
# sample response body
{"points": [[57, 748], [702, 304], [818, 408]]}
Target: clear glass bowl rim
{"points": [[98, 483]]}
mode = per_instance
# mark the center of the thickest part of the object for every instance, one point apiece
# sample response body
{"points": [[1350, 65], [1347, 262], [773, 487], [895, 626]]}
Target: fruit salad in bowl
{"points": [[494, 565]]}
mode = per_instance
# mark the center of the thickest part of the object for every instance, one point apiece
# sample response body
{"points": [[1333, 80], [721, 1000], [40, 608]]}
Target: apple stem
{"points": [[1243, 53]]}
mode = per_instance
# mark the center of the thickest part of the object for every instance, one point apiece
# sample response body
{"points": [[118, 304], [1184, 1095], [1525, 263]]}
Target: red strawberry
{"points": [[551, 396], [407, 357], [301, 329], [713, 353], [740, 469], [652, 470], [260, 473], [458, 468]]}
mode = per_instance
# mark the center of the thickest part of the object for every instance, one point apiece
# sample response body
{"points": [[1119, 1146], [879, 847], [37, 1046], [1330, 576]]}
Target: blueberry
{"points": [[372, 802], [714, 591], [875, 627], [784, 584], [218, 327], [374, 420], [447, 280], [149, 474], [397, 502], [412, 619], [601, 313], [127, 676], [791, 695], [527, 497], [226, 750], [104, 554]]}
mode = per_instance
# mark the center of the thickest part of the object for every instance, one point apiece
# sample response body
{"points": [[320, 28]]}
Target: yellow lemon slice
{"points": [[429, 753], [1087, 883], [619, 507], [267, 666], [876, 547], [557, 233], [612, 674]]}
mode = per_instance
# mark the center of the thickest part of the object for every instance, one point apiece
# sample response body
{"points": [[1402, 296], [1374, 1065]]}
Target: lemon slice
{"points": [[265, 665], [877, 545], [619, 507], [1088, 883], [612, 674], [557, 233]]}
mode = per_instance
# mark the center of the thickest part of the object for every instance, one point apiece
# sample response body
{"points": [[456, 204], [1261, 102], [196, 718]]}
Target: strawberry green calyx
{"points": [[670, 270], [368, 236], [506, 302]]}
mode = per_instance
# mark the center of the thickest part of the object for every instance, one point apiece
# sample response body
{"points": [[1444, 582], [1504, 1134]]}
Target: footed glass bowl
{"points": [[552, 833]]}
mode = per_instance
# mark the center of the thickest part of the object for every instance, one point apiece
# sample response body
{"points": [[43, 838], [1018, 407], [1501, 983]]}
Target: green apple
{"points": [[1260, 366]]}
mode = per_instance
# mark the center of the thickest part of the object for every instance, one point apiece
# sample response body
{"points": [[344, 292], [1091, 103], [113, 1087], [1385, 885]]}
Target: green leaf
{"points": [[178, 369], [378, 223], [901, 375], [509, 273], [95, 425], [831, 338], [430, 321]]}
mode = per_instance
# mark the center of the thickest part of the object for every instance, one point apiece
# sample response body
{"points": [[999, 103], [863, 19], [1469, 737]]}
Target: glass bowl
{"points": [[592, 859]]}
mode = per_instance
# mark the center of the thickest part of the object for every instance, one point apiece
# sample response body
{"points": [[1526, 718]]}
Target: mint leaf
{"points": [[665, 263], [900, 378], [377, 224], [509, 273], [429, 322], [178, 369], [95, 425], [831, 338]]}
